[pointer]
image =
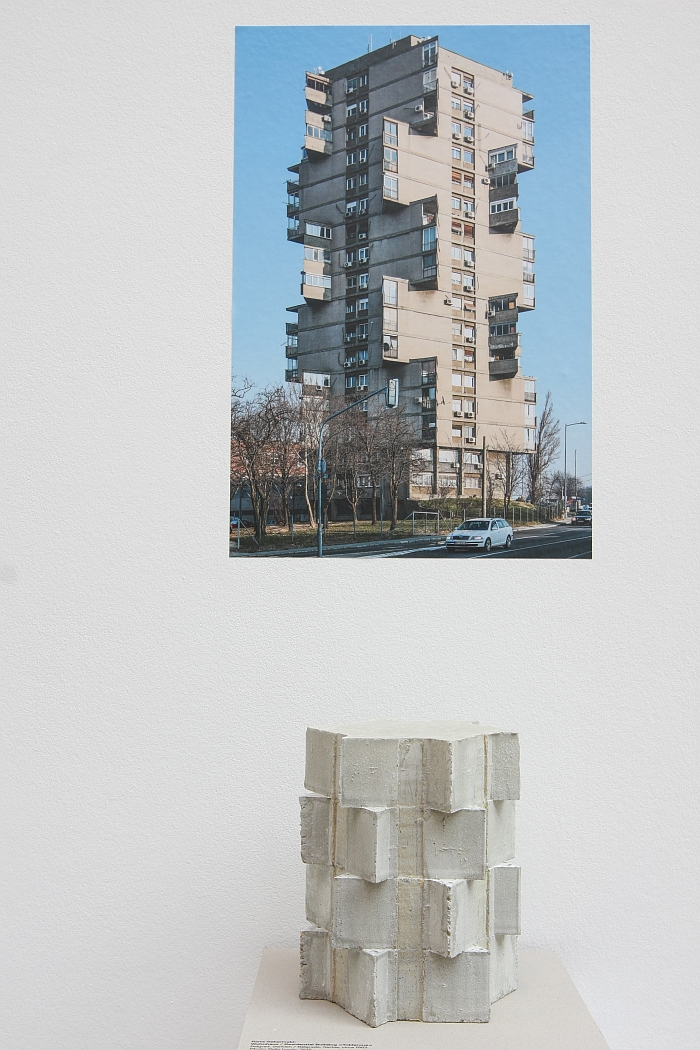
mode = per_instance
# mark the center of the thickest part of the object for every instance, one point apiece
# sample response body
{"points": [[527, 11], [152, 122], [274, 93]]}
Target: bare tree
{"points": [[506, 466], [547, 446], [397, 438]]}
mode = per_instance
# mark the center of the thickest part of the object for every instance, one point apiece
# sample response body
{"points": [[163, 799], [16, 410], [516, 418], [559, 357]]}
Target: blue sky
{"points": [[549, 62]]}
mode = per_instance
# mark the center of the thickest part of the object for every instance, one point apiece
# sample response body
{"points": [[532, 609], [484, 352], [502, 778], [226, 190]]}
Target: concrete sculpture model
{"points": [[408, 842]]}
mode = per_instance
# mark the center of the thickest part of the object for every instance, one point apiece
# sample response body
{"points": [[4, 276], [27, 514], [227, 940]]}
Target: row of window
{"points": [[462, 229], [460, 405], [354, 181], [358, 207], [466, 280], [462, 129], [463, 379], [360, 357], [357, 256], [501, 303], [466, 330], [463, 105], [507, 205], [391, 187], [319, 133], [354, 108], [463, 256], [355, 83], [459, 431], [463, 356], [361, 382], [502, 329], [463, 178], [464, 205], [467, 155], [391, 133], [460, 79], [356, 157], [360, 280], [360, 132], [318, 280], [356, 333], [356, 306]]}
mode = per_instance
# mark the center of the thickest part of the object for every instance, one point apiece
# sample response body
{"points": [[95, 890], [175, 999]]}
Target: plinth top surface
{"points": [[387, 729]]}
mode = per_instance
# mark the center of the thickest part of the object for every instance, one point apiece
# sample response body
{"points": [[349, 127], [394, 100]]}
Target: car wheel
{"points": [[509, 542], [487, 545]]}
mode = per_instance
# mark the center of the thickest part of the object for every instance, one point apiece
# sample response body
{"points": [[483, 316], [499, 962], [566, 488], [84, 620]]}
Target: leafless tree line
{"points": [[274, 445]]}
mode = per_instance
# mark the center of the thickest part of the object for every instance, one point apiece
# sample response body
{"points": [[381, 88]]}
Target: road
{"points": [[564, 541]]}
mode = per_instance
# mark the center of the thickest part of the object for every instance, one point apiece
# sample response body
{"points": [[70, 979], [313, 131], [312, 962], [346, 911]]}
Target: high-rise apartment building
{"points": [[415, 264]]}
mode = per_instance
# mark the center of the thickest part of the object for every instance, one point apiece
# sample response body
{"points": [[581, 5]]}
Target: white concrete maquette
{"points": [[411, 886]]}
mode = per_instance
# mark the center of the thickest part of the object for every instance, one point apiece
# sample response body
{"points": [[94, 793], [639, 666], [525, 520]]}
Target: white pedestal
{"points": [[545, 1013]]}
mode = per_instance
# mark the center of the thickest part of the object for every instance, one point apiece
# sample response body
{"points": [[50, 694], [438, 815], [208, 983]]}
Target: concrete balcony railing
{"points": [[320, 98], [504, 221], [315, 293], [291, 375], [507, 369], [506, 167], [526, 162], [504, 342], [317, 148]]}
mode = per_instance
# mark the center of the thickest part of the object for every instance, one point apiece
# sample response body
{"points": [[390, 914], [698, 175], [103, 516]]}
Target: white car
{"points": [[480, 532]]}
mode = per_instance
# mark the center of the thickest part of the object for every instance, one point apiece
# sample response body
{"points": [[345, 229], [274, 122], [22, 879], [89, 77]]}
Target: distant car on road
{"points": [[582, 517], [480, 532]]}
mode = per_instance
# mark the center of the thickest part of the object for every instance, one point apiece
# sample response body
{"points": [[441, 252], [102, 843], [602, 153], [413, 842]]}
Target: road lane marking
{"points": [[501, 550]]}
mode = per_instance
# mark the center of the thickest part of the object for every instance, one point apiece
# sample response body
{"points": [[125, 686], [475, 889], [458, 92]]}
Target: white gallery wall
{"points": [[156, 693]]}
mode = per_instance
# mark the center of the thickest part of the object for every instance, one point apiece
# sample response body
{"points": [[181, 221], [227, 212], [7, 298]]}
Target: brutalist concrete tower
{"points": [[411, 884]]}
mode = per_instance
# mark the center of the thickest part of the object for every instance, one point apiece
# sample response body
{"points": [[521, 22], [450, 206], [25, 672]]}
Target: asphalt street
{"points": [[564, 541]]}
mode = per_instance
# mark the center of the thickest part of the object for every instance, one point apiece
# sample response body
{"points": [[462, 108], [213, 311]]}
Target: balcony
{"points": [[504, 368], [430, 87], [315, 293], [506, 167], [428, 378], [529, 254], [429, 278], [426, 124], [291, 328], [293, 209], [291, 375], [503, 316], [530, 397], [504, 342], [318, 98], [526, 162], [504, 221], [295, 233], [317, 149]]}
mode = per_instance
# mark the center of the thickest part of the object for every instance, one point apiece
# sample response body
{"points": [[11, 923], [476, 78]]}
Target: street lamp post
{"points": [[566, 427]]}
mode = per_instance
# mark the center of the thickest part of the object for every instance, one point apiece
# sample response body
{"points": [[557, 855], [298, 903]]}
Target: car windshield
{"points": [[474, 526]]}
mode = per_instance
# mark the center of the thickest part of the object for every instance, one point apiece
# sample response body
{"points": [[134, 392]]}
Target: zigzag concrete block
{"points": [[411, 887]]}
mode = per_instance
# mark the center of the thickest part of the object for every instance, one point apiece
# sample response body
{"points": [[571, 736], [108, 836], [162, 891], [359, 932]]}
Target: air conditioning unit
{"points": [[363, 387], [448, 302], [362, 236], [470, 441], [457, 414], [418, 400], [455, 135], [469, 415], [468, 89]]}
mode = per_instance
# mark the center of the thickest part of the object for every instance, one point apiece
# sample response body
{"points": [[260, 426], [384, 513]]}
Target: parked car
{"points": [[582, 517], [480, 532]]}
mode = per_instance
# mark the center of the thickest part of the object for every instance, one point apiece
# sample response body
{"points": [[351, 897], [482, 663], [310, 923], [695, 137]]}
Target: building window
{"points": [[391, 187], [500, 156], [456, 252], [363, 205], [530, 410], [430, 53], [502, 329], [457, 178], [468, 108], [456, 78], [315, 230], [362, 330], [468, 131], [429, 265], [350, 209], [363, 305], [391, 159], [504, 180], [318, 280], [391, 319], [351, 159], [469, 333], [456, 277], [529, 248], [351, 111], [457, 353], [317, 254], [390, 345], [429, 212], [316, 379], [456, 328], [507, 205], [363, 79], [529, 292], [350, 382], [391, 133], [362, 254], [457, 379], [350, 307], [362, 357], [350, 183], [363, 381], [456, 303], [456, 404], [468, 156], [456, 103], [456, 153], [468, 281], [468, 380], [364, 105], [430, 80], [429, 238], [468, 207], [528, 272], [498, 305], [319, 133], [364, 280], [350, 135], [350, 86], [362, 131], [390, 292], [456, 128], [456, 431], [456, 229], [362, 180], [363, 156], [529, 130], [457, 204], [468, 181], [468, 256], [351, 282], [350, 258], [530, 436]]}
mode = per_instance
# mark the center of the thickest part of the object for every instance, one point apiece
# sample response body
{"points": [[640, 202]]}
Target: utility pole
{"points": [[566, 427], [483, 477], [391, 393]]}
